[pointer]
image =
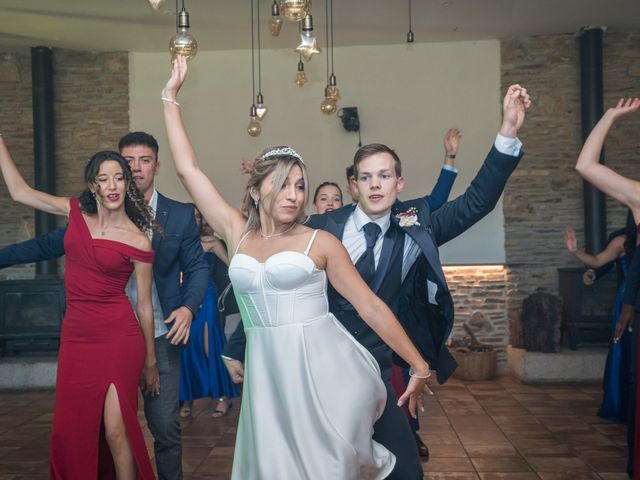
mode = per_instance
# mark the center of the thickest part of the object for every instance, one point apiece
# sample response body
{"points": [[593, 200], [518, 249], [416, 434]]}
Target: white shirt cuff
{"points": [[227, 358], [450, 168], [507, 145]]}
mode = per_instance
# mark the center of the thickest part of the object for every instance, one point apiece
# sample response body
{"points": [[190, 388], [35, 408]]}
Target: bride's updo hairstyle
{"points": [[279, 160]]}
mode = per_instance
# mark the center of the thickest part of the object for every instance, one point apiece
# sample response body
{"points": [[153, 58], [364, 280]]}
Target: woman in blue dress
{"points": [[202, 372], [619, 250]]}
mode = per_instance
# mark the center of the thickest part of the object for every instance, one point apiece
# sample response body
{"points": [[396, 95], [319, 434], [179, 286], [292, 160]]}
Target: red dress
{"points": [[101, 344]]}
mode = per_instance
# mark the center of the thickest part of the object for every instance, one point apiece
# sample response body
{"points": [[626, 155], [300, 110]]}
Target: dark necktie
{"points": [[366, 264]]}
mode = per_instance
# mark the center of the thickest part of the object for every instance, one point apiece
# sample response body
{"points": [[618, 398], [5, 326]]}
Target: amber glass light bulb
{"points": [[254, 129], [276, 26], [328, 106], [295, 10], [183, 43], [301, 79]]}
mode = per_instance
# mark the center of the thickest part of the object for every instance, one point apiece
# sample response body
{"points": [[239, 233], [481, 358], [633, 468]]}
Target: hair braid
{"points": [[139, 211]]}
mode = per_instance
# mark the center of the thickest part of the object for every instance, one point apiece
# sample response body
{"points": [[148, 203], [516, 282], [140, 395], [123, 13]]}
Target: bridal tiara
{"points": [[282, 151]]}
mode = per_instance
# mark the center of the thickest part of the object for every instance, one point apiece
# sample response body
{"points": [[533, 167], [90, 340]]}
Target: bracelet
{"points": [[412, 373], [168, 100], [451, 156]]}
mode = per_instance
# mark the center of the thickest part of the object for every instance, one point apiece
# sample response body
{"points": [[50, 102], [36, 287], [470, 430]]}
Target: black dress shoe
{"points": [[423, 450]]}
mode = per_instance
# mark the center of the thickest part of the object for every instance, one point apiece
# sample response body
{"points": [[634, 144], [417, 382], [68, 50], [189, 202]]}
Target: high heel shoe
{"points": [[222, 408]]}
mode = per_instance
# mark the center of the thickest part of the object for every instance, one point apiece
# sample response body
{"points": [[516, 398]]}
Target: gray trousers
{"points": [[161, 412]]}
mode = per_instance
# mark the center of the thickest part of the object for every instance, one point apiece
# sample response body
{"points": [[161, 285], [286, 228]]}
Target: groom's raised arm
{"points": [[43, 247], [458, 215]]}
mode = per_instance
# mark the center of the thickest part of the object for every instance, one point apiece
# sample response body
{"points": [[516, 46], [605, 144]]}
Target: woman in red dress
{"points": [[103, 348]]}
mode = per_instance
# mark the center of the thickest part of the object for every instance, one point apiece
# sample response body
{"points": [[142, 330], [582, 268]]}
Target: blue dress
{"points": [[202, 376], [616, 375]]}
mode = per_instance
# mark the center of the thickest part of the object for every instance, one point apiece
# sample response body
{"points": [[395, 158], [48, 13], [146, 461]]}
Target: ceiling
{"points": [[131, 25]]}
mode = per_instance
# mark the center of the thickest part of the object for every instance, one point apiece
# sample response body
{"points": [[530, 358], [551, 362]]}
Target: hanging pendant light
{"points": [[308, 43], [301, 76], [183, 43], [276, 19], [156, 4], [410, 32], [295, 10], [254, 128], [329, 105], [261, 108]]}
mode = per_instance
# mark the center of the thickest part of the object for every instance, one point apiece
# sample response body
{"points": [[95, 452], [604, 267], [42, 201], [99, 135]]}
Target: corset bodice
{"points": [[285, 289]]}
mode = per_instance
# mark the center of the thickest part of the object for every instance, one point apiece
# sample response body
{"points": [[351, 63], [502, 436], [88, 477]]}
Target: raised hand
{"points": [[452, 141], [570, 240], [514, 105], [624, 107], [178, 74]]}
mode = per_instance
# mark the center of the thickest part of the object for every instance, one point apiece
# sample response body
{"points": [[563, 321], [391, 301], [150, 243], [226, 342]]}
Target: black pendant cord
{"points": [[326, 29], [253, 62], [331, 3], [410, 15], [259, 55], [177, 17]]}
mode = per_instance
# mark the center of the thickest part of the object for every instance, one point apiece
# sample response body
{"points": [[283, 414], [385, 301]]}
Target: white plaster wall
{"points": [[406, 99]]}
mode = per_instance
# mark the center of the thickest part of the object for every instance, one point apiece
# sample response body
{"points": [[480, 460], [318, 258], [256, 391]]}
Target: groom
{"points": [[180, 278], [408, 276]]}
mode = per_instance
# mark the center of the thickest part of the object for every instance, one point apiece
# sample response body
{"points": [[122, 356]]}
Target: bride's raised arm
{"points": [[21, 192], [625, 190], [215, 210]]}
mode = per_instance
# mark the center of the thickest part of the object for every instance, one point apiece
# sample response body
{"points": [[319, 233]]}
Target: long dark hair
{"points": [[134, 205]]}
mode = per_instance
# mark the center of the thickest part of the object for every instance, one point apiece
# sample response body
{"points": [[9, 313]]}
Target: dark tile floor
{"points": [[496, 430]]}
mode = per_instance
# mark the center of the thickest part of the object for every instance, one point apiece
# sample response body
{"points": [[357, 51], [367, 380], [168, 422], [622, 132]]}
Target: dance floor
{"points": [[475, 430]]}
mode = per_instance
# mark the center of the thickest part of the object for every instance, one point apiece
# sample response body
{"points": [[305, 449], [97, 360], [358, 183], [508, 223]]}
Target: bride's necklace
{"points": [[267, 237]]}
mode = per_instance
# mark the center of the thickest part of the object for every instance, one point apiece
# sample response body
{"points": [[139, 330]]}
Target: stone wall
{"points": [[545, 193], [91, 93], [481, 289]]}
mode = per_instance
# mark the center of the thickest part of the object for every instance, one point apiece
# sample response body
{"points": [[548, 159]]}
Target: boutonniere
{"points": [[408, 218]]}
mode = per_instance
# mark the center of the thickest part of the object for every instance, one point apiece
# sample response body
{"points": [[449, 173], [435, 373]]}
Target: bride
{"points": [[311, 392]]}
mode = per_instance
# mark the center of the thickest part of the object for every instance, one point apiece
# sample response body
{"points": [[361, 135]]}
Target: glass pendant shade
{"points": [[254, 129], [276, 26], [156, 4], [295, 10], [328, 106], [183, 43], [276, 19], [308, 44], [261, 108], [301, 79]]}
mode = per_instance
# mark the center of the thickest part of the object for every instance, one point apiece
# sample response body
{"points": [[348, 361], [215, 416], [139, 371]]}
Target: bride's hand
{"points": [[178, 74], [415, 391]]}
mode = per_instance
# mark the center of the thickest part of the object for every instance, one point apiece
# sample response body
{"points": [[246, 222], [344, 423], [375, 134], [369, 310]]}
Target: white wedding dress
{"points": [[311, 392]]}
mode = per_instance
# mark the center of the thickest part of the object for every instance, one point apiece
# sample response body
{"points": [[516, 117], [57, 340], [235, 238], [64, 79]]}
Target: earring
{"points": [[256, 202]]}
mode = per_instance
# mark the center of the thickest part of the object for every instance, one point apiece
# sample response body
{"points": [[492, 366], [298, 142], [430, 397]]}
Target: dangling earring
{"points": [[256, 202]]}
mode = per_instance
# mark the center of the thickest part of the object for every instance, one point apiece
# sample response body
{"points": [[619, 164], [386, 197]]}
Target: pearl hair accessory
{"points": [[282, 151]]}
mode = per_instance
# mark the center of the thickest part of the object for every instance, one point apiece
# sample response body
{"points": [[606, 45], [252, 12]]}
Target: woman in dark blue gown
{"points": [[202, 371], [619, 250]]}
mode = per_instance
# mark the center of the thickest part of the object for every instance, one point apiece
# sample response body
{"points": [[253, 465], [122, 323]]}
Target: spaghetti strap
{"points": [[313, 237], [241, 240]]}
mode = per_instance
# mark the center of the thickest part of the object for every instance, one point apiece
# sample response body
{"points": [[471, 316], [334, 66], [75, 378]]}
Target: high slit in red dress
{"points": [[101, 344]]}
